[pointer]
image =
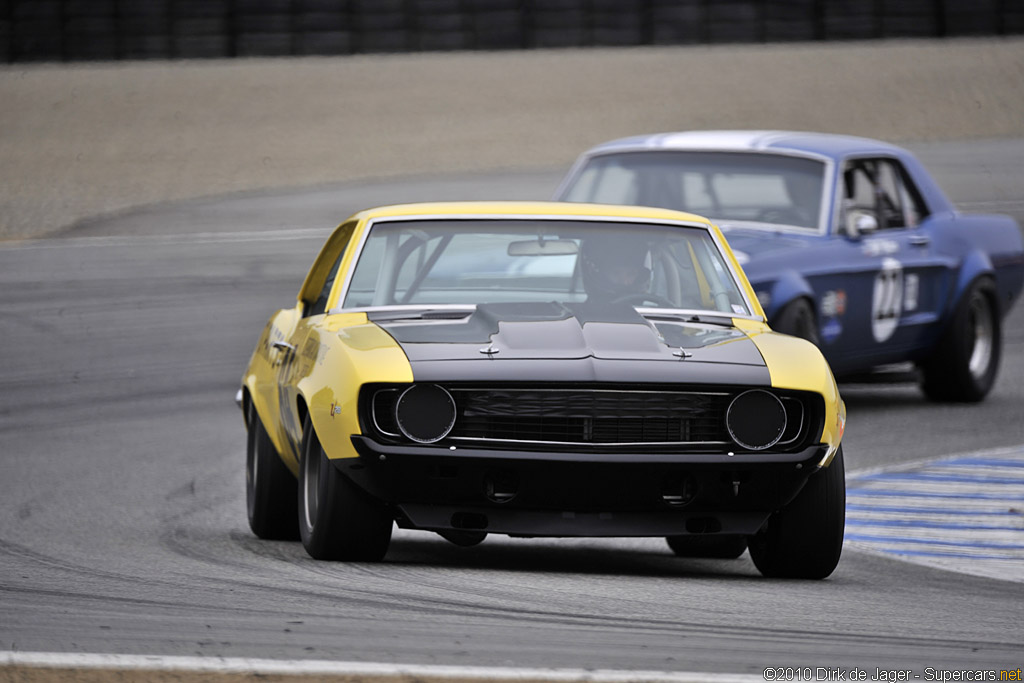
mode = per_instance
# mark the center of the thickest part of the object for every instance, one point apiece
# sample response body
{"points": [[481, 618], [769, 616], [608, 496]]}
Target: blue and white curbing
{"points": [[963, 513]]}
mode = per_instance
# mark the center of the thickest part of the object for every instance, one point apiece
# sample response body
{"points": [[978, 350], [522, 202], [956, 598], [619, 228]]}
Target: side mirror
{"points": [[860, 222]]}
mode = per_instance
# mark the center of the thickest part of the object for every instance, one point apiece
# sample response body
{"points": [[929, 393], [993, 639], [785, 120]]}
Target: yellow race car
{"points": [[540, 369]]}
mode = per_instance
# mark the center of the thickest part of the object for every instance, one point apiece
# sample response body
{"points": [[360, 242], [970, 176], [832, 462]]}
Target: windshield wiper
{"points": [[420, 314], [721, 320]]}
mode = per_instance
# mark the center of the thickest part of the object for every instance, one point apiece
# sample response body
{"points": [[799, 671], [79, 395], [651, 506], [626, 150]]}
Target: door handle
{"points": [[282, 346], [920, 240]]}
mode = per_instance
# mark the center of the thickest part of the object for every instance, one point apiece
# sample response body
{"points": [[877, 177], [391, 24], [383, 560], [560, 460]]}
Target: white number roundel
{"points": [[887, 300]]}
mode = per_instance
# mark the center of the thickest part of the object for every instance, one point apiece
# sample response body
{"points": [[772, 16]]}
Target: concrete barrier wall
{"points": [[75, 30], [91, 138]]}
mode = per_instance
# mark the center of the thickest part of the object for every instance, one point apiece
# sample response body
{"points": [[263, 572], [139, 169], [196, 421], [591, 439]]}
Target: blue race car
{"points": [[847, 241]]}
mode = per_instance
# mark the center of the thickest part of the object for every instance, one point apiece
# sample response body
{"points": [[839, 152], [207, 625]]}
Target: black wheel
{"points": [[269, 485], [964, 363], [337, 519], [464, 539], [797, 319], [721, 547], [804, 539]]}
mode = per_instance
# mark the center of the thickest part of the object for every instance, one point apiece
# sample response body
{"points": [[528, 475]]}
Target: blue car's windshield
{"points": [[475, 261], [769, 189]]}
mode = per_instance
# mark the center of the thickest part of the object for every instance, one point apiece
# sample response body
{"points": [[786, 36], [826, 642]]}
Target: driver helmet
{"points": [[614, 266]]}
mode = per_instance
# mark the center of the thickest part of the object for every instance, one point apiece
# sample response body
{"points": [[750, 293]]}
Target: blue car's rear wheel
{"points": [[804, 539], [269, 485], [964, 363], [337, 519]]}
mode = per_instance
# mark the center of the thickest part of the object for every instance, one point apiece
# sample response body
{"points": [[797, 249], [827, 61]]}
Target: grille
{"points": [[574, 417], [592, 416]]}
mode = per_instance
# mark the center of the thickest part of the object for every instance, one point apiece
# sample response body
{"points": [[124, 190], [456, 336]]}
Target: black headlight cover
{"points": [[756, 419], [425, 413]]}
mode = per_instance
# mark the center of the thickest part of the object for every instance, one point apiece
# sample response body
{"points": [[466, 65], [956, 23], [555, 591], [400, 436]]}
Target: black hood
{"points": [[552, 342]]}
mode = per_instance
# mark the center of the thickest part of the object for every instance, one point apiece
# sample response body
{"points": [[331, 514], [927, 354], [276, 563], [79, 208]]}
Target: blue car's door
{"points": [[889, 278]]}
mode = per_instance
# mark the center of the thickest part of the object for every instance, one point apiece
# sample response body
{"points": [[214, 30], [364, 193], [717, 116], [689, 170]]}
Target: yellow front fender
{"points": [[345, 352], [797, 364]]}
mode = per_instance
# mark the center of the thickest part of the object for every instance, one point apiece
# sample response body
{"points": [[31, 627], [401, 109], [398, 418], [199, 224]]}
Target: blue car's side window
{"points": [[883, 189]]}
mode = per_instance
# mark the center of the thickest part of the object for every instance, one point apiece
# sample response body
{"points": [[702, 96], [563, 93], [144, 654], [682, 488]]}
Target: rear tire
{"points": [[797, 319], [719, 547], [804, 539], [337, 519], [269, 486], [963, 365]]}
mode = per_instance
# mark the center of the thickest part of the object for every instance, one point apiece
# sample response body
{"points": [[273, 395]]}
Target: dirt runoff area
{"points": [[83, 140]]}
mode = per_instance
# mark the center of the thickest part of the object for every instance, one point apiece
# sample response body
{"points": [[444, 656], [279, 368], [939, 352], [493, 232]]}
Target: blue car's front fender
{"points": [[787, 285]]}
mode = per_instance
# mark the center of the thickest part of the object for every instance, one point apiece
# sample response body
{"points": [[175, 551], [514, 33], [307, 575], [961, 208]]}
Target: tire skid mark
{"points": [[55, 563], [101, 587], [413, 599], [400, 587]]}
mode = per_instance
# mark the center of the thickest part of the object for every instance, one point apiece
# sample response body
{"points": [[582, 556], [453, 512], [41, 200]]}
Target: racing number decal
{"points": [[887, 300]]}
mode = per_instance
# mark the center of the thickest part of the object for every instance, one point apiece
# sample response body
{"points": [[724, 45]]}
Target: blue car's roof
{"points": [[831, 147], [820, 144]]}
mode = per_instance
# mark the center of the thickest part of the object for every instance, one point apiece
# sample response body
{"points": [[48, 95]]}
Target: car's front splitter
{"points": [[570, 523], [578, 494]]}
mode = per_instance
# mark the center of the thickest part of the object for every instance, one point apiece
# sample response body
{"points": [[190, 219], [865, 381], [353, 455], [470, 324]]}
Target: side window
{"points": [[882, 189], [317, 288], [858, 187], [320, 305], [890, 195], [914, 208]]}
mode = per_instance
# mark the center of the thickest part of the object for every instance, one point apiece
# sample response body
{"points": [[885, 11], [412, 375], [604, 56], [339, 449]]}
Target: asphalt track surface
{"points": [[122, 511]]}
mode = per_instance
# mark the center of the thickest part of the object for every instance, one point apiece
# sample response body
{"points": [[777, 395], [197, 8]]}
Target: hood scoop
{"points": [[552, 331]]}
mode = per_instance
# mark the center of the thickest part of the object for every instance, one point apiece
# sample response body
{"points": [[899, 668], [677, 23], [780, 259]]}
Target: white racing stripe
{"points": [[963, 513], [311, 667]]}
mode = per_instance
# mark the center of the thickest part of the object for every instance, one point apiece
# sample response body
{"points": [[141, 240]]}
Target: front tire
{"points": [[797, 319], [963, 366], [804, 539], [337, 519], [269, 485]]}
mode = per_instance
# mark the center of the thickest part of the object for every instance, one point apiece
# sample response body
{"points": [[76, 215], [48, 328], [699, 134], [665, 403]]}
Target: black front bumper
{"points": [[528, 493]]}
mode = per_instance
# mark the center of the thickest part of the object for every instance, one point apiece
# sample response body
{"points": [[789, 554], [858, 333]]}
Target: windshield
{"points": [[725, 186], [460, 262]]}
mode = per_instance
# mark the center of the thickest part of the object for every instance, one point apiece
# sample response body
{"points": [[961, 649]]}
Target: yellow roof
{"points": [[529, 208]]}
